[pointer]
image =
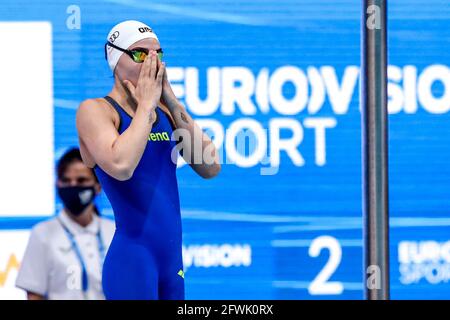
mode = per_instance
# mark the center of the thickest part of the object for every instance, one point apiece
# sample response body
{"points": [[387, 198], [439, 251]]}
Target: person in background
{"points": [[64, 256]]}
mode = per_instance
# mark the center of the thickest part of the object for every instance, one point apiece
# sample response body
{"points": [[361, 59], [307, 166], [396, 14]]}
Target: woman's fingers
{"points": [[149, 81], [161, 72], [153, 68], [144, 69]]}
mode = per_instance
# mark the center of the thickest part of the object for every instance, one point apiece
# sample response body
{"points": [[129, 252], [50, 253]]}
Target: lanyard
{"points": [[101, 249]]}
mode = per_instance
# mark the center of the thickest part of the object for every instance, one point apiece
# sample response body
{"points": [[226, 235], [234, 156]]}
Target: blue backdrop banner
{"points": [[276, 84]]}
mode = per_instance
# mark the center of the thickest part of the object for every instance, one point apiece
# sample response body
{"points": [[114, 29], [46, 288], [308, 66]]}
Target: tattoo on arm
{"points": [[183, 117]]}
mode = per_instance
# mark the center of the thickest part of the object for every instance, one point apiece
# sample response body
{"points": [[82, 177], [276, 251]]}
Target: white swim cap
{"points": [[124, 35]]}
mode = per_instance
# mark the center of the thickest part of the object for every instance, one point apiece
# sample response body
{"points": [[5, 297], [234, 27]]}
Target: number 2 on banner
{"points": [[321, 285]]}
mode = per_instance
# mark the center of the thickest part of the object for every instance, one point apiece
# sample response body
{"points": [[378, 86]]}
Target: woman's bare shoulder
{"points": [[93, 105]]}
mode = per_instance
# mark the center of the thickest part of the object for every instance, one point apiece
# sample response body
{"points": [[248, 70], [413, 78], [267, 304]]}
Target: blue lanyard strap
{"points": [[101, 247]]}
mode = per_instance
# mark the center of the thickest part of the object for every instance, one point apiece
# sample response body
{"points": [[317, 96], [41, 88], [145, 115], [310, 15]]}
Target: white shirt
{"points": [[50, 266]]}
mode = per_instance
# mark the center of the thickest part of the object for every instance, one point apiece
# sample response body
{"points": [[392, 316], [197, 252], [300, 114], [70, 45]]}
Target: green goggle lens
{"points": [[139, 56]]}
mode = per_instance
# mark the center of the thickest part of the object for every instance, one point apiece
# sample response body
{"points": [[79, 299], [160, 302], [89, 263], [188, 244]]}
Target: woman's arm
{"points": [[197, 148]]}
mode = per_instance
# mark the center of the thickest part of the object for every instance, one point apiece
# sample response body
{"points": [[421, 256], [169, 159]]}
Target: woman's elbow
{"points": [[121, 171], [124, 174], [212, 171]]}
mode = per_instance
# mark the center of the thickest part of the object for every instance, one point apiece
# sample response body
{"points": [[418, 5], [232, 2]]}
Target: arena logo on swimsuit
{"points": [[159, 136]]}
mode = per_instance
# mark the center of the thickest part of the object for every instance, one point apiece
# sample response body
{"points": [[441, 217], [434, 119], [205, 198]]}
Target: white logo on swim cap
{"points": [[124, 35]]}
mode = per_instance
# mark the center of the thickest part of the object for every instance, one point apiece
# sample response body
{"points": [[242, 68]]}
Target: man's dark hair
{"points": [[70, 156]]}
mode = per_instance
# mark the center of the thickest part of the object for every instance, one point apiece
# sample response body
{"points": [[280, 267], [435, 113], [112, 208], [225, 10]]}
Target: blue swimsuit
{"points": [[144, 260]]}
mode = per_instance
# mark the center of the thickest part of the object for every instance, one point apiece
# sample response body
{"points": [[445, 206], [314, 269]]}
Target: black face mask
{"points": [[76, 199]]}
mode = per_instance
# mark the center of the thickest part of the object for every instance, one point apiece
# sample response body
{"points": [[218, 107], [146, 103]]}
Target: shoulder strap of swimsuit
{"points": [[116, 106]]}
